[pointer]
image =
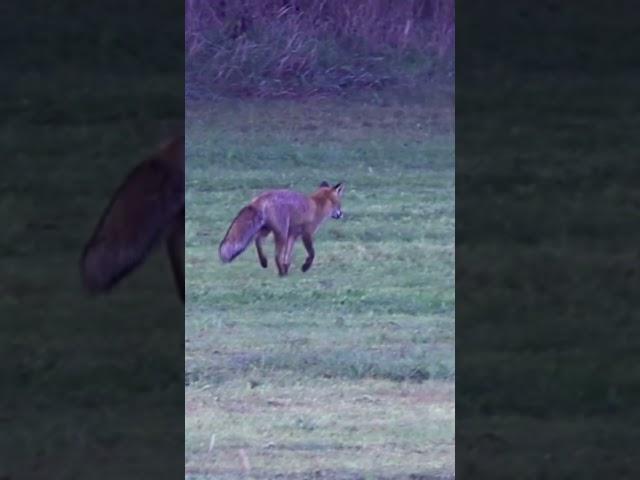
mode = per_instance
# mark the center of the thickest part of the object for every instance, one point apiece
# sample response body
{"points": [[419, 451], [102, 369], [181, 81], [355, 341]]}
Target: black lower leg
{"points": [[308, 245]]}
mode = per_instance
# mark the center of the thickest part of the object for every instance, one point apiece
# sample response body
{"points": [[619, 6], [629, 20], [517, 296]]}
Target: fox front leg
{"points": [[308, 245]]}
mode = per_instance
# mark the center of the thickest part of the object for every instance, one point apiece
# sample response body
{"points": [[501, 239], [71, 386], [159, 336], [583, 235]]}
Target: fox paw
{"points": [[264, 263]]}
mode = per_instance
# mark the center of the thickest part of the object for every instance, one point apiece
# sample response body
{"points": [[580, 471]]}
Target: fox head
{"points": [[334, 195]]}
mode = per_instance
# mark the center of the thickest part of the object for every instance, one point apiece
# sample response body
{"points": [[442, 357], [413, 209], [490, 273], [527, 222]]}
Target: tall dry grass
{"points": [[289, 47]]}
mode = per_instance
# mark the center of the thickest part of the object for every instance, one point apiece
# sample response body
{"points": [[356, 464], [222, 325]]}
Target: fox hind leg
{"points": [[281, 235], [291, 240], [281, 250], [261, 256]]}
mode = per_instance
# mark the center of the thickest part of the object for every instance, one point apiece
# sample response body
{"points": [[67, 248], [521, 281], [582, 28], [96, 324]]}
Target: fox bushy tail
{"points": [[242, 230], [142, 209]]}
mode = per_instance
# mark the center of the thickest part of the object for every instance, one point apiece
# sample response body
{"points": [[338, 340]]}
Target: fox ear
{"points": [[324, 184], [339, 188]]}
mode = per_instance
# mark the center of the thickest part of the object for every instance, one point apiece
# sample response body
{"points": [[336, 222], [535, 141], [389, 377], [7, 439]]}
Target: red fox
{"points": [[289, 215], [146, 209]]}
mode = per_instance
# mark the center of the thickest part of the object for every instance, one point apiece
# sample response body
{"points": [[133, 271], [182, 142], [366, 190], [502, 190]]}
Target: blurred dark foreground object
{"points": [[145, 210]]}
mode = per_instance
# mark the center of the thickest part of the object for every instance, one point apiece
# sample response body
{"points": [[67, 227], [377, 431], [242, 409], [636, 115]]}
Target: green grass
{"points": [[85, 381], [349, 368]]}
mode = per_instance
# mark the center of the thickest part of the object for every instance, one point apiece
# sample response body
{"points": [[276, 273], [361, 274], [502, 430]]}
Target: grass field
{"points": [[346, 371]]}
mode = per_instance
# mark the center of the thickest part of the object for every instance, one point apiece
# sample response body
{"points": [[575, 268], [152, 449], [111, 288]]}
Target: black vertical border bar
{"points": [[547, 236], [92, 385]]}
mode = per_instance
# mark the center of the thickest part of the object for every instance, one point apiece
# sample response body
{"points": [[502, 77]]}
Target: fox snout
{"points": [[337, 214]]}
